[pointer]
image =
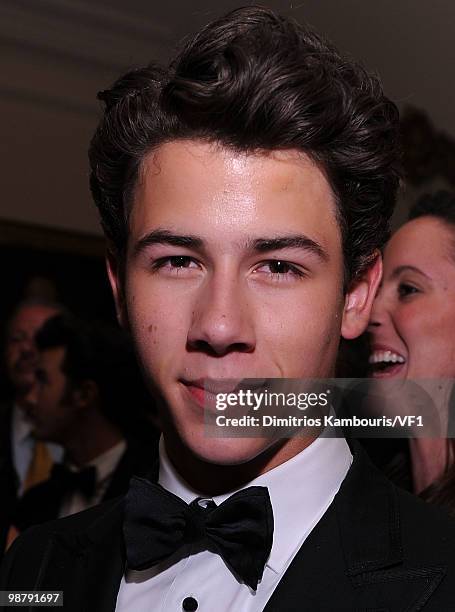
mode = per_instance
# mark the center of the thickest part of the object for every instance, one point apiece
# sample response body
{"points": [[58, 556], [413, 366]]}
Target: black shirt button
{"points": [[189, 604]]}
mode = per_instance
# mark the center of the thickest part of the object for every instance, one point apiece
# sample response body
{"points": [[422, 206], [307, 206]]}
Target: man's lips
{"points": [[25, 366], [205, 390], [212, 385], [198, 394], [203, 397]]}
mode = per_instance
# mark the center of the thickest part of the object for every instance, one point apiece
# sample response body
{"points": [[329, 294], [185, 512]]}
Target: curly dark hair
{"points": [[254, 81], [440, 204]]}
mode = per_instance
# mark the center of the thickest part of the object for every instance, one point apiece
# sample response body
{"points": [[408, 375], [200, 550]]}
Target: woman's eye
{"points": [[405, 290]]}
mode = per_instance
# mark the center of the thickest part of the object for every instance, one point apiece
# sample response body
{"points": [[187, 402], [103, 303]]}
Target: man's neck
{"points": [[214, 479], [90, 443], [19, 401]]}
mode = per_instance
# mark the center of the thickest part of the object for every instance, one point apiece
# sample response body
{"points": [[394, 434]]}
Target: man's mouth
{"points": [[205, 390], [204, 396], [25, 366], [385, 362], [31, 417]]}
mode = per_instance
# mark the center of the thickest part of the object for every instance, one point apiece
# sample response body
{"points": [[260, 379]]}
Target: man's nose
{"points": [[222, 320], [31, 397], [28, 347]]}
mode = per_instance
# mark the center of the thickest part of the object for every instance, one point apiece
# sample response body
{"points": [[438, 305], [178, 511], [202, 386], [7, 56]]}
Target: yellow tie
{"points": [[40, 466]]}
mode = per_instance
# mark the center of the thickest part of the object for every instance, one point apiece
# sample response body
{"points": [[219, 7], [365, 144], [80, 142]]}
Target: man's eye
{"points": [[16, 338], [175, 262], [405, 290], [180, 261], [279, 268]]}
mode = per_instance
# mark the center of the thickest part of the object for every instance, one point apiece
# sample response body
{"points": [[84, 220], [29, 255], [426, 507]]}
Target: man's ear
{"points": [[359, 300], [116, 280], [85, 394]]}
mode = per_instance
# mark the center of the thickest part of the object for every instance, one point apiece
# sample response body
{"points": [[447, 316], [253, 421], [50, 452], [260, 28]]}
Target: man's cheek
{"points": [[285, 349], [307, 350], [161, 345]]}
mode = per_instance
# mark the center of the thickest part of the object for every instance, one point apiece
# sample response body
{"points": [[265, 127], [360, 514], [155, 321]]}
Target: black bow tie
{"points": [[157, 523], [68, 481]]}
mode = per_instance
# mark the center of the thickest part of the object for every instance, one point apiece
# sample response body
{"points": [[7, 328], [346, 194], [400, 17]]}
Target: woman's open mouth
{"points": [[385, 363]]}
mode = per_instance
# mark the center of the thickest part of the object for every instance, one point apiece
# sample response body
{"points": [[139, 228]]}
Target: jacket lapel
{"points": [[87, 566], [353, 558], [39, 504]]}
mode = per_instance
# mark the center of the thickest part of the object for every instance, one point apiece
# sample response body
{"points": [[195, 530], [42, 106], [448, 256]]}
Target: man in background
{"points": [[87, 383], [24, 461]]}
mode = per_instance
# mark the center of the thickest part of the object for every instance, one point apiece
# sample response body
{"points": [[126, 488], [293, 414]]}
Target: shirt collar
{"points": [[106, 463], [21, 426], [301, 490]]}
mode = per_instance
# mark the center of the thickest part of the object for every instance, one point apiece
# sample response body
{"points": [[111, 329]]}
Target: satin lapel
{"points": [[353, 558], [40, 504], [87, 566]]}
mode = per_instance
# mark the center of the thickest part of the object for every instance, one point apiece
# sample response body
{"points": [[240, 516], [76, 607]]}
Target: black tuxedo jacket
{"points": [[42, 502], [6, 452], [8, 478], [376, 549]]}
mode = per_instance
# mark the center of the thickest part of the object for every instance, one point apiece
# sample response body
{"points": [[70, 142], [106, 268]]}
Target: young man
{"points": [[84, 382], [245, 192]]}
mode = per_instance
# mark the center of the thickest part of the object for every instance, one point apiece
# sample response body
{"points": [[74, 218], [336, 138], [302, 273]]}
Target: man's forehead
{"points": [[52, 358], [195, 185], [205, 155], [31, 317]]}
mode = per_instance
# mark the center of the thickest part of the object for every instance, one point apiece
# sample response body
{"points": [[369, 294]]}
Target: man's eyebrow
{"points": [[408, 268], [161, 236], [298, 241], [260, 245]]}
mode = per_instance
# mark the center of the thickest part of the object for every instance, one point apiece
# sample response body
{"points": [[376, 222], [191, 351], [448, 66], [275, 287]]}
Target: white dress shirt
{"points": [[300, 490], [22, 445], [105, 465]]}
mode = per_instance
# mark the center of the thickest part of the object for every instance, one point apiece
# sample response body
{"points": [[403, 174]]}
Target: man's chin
{"points": [[22, 384], [39, 435], [225, 451]]}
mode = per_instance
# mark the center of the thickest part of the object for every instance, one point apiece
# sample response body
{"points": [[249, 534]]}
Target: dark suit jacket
{"points": [[8, 477], [376, 549], [42, 502], [6, 453]]}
